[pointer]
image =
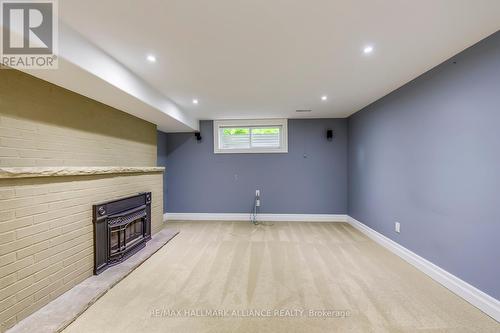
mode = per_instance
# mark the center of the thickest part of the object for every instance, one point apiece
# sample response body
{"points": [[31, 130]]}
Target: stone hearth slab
{"points": [[62, 311]]}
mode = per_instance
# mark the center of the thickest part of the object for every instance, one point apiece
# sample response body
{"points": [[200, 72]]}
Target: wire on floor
{"points": [[253, 215]]}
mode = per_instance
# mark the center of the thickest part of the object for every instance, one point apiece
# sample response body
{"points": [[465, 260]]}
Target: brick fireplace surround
{"points": [[60, 153]]}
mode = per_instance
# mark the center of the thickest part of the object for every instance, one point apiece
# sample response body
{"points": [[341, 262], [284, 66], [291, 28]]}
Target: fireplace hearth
{"points": [[121, 228]]}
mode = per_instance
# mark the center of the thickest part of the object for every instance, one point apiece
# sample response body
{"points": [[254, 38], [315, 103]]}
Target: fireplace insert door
{"points": [[126, 231], [121, 228]]}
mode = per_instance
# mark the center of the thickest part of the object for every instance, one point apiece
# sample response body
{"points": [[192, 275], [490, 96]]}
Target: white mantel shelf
{"points": [[34, 172]]}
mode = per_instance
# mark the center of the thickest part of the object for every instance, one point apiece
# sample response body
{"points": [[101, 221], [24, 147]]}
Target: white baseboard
{"points": [[260, 217], [471, 294]]}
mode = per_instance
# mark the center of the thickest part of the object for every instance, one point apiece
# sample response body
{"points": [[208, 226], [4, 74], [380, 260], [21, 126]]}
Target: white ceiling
{"points": [[91, 72], [267, 58]]}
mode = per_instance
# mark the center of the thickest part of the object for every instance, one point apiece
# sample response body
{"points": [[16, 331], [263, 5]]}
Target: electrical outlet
{"points": [[397, 227], [257, 193]]}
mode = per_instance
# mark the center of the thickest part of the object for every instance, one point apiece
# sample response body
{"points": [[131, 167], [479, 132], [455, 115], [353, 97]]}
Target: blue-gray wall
{"points": [[428, 156], [310, 178]]}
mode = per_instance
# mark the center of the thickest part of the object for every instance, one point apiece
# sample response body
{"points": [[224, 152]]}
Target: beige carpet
{"points": [[235, 277]]}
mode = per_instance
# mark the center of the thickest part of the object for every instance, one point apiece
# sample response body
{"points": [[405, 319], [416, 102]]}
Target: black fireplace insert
{"points": [[121, 228]]}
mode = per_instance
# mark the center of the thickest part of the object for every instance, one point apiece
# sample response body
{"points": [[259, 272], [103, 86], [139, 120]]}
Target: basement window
{"points": [[250, 136]]}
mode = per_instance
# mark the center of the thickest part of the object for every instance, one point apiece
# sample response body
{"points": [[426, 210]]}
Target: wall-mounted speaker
{"points": [[198, 136], [329, 134]]}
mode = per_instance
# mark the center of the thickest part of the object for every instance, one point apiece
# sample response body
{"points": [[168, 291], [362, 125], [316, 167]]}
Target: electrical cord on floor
{"points": [[253, 215], [253, 219]]}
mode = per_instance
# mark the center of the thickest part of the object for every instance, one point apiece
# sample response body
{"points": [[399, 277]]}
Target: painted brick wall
{"points": [[46, 235], [44, 125], [46, 232]]}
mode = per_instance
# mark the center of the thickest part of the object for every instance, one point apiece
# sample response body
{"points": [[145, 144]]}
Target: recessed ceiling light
{"points": [[151, 58], [195, 101], [324, 98], [368, 49]]}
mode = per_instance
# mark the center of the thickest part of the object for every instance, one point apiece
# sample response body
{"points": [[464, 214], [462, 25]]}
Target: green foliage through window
{"points": [[246, 131], [266, 130], [236, 131]]}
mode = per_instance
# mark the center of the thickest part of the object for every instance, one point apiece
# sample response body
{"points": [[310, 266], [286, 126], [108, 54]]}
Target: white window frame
{"points": [[283, 123]]}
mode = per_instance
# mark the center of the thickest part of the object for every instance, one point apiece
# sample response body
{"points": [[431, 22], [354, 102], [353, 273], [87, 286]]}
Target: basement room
{"points": [[249, 166]]}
